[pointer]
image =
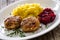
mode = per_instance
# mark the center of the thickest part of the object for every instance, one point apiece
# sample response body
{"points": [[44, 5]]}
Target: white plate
{"points": [[5, 12]]}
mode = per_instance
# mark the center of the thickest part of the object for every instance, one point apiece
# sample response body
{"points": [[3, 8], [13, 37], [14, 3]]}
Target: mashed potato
{"points": [[27, 10]]}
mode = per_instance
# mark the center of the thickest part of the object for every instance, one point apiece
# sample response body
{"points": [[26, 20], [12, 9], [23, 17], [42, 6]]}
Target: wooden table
{"points": [[52, 35]]}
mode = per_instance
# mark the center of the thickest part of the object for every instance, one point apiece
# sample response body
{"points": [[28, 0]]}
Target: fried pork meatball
{"points": [[30, 24], [12, 22]]}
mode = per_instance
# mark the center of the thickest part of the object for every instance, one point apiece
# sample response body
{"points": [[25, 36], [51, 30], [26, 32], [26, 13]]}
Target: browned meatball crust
{"points": [[12, 22], [30, 24]]}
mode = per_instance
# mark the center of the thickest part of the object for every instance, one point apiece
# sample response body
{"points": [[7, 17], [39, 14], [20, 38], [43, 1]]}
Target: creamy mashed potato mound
{"points": [[27, 10]]}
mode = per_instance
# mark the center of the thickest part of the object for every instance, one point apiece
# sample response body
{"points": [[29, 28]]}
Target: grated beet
{"points": [[47, 16]]}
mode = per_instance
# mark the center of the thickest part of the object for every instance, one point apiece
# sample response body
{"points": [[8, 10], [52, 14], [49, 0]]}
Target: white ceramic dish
{"points": [[5, 12]]}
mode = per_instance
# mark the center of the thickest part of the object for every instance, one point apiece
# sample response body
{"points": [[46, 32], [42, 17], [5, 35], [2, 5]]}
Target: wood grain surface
{"points": [[52, 35]]}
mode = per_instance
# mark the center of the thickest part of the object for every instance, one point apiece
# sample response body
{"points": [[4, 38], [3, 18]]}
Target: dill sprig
{"points": [[10, 13], [17, 32], [46, 26], [2, 26]]}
